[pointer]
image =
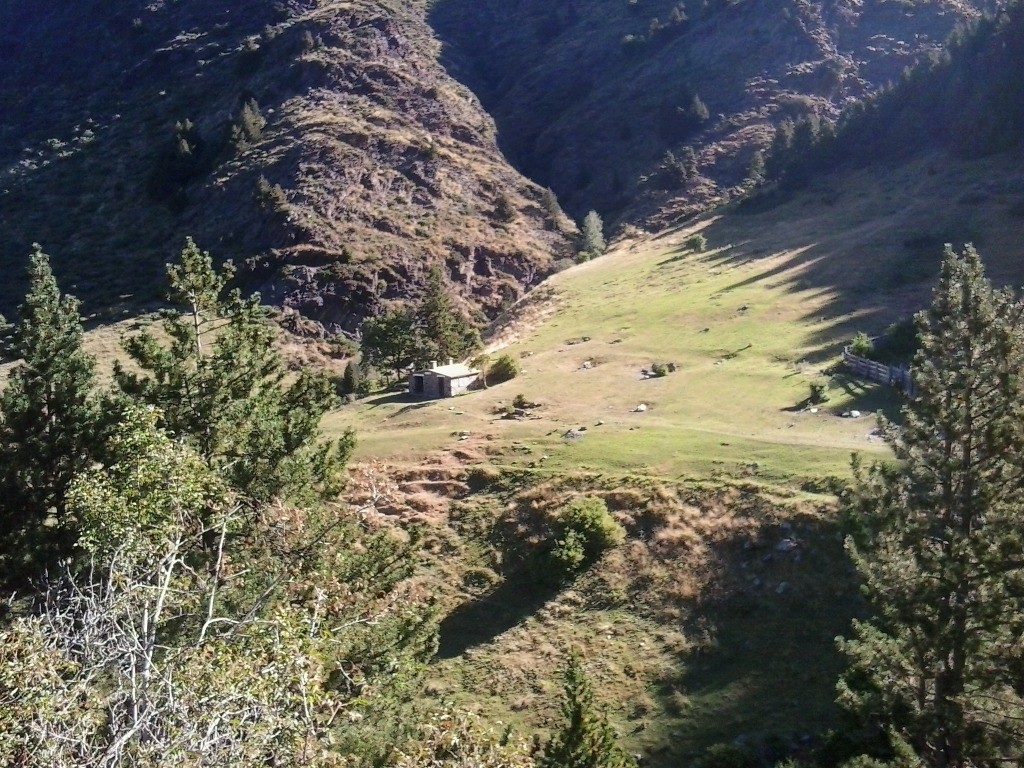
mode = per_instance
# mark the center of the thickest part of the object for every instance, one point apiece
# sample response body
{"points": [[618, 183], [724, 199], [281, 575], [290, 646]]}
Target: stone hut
{"points": [[442, 380]]}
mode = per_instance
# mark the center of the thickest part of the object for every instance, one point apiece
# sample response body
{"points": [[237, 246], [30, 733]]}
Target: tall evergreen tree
{"points": [[586, 740], [350, 379], [48, 418], [220, 383], [390, 342], [593, 244], [444, 331], [938, 667]]}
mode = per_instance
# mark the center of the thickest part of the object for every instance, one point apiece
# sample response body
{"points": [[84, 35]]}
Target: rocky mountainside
{"points": [[652, 109], [337, 149], [319, 143]]}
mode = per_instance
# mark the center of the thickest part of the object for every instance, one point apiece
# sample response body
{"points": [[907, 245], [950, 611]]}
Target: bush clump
{"points": [[696, 243], [502, 369], [819, 392], [862, 345], [582, 531]]}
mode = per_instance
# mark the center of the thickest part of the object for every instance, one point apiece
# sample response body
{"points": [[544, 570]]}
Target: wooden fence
{"points": [[895, 376]]}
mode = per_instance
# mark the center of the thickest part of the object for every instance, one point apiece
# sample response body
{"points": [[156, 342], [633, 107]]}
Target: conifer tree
{"points": [[940, 540], [586, 740], [48, 416], [350, 379], [593, 244], [444, 331], [219, 383], [390, 342]]}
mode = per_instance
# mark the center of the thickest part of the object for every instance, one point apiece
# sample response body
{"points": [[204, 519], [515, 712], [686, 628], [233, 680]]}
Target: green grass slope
{"points": [[746, 339]]}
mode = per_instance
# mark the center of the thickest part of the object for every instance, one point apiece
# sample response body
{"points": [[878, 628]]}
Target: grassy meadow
{"points": [[747, 339], [699, 631]]}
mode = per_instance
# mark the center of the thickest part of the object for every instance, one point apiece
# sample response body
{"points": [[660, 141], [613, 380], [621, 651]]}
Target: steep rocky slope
{"points": [[590, 97], [317, 142]]}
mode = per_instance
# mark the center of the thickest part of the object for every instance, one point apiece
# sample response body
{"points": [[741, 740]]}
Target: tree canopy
{"points": [[220, 383], [48, 419], [939, 537]]}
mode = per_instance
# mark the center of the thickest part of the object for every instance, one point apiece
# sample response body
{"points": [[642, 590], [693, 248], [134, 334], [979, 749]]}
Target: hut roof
{"points": [[454, 370]]}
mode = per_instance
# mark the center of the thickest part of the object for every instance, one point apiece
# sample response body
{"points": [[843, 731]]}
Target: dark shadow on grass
{"points": [[480, 621], [388, 398], [868, 396], [766, 672]]}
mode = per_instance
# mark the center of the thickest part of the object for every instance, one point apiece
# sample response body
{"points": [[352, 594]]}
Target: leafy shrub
{"points": [[580, 533], [659, 369], [697, 243], [504, 368], [568, 555], [519, 401], [862, 346], [586, 523]]}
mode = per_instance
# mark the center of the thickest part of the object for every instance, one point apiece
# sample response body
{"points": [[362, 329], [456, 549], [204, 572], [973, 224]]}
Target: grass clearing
{"points": [[746, 338]]}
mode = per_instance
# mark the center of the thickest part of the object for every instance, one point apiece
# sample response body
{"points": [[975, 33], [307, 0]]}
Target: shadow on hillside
{"points": [[390, 398], [480, 621], [765, 664], [869, 397], [871, 264]]}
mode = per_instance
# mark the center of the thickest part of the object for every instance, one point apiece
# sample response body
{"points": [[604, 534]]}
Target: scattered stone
{"points": [[814, 410], [640, 408], [599, 424], [786, 545], [587, 365], [851, 414], [782, 588], [573, 435]]}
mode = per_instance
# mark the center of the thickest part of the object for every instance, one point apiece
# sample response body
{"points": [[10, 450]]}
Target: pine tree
{"points": [[444, 331], [939, 665], [586, 740], [220, 384], [593, 244], [390, 342], [350, 379], [48, 417]]}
